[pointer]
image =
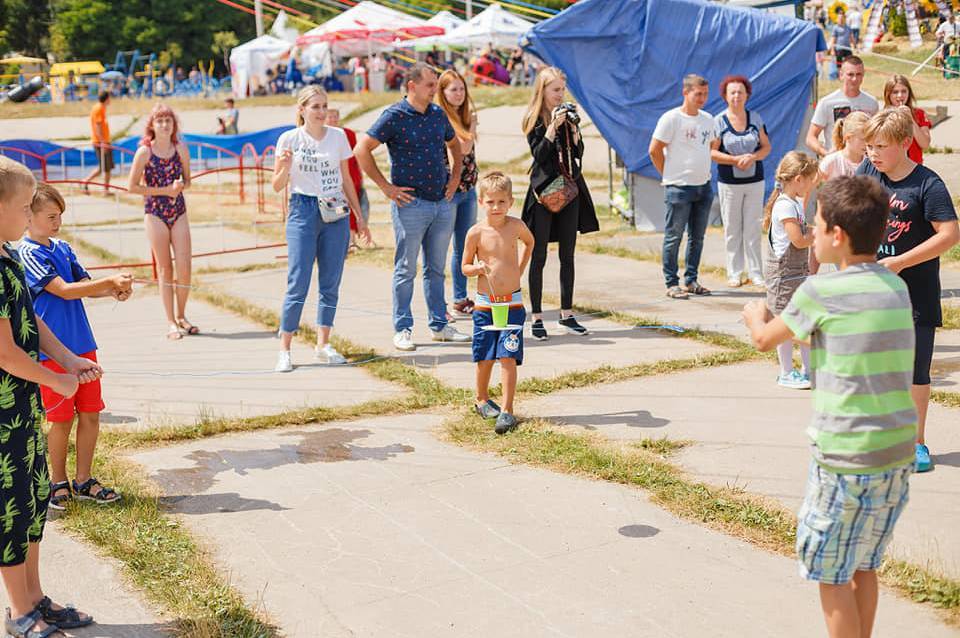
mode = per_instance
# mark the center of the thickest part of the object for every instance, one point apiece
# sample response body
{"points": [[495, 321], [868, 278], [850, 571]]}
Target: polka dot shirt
{"points": [[417, 145]]}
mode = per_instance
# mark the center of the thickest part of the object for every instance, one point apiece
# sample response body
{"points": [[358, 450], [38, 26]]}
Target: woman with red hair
{"points": [[161, 172], [739, 148]]}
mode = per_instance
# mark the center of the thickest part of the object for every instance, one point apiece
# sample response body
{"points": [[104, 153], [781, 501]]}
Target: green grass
{"points": [[951, 316], [161, 557], [614, 374], [760, 521], [653, 257]]}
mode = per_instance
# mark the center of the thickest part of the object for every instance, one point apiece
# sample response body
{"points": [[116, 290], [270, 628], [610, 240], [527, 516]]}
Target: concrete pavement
{"points": [[225, 371], [72, 571], [364, 316], [387, 531], [747, 432]]}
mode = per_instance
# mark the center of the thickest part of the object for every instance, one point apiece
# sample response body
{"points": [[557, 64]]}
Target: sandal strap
{"points": [[62, 485], [105, 493], [24, 625], [84, 488]]}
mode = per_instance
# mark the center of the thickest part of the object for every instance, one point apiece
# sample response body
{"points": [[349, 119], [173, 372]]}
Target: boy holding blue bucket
{"points": [[498, 315]]}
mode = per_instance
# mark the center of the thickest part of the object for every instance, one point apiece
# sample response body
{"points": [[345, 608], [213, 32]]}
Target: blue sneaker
{"points": [[794, 380], [924, 464]]}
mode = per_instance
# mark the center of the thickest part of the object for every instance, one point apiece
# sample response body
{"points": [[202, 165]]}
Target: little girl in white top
{"points": [[849, 144], [787, 261]]}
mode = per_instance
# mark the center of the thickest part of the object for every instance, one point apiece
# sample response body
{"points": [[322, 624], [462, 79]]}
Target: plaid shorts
{"points": [[847, 520]]}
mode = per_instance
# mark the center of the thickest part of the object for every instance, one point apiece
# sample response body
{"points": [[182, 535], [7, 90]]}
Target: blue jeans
{"points": [[688, 207], [465, 216], [311, 239], [427, 224]]}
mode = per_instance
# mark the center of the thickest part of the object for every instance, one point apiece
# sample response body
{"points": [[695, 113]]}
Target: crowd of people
{"points": [[865, 325], [379, 72]]}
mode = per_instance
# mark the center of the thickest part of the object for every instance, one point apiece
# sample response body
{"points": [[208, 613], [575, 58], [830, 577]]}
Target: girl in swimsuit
{"points": [[160, 172]]}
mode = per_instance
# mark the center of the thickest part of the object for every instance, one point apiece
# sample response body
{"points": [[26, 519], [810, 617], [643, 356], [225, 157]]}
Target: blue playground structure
{"points": [[136, 66]]}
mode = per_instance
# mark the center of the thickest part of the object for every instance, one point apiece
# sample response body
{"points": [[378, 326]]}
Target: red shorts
{"points": [[87, 398]]}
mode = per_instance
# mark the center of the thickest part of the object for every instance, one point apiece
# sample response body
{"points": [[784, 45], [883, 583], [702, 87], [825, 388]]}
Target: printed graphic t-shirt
{"points": [[316, 163], [687, 155], [837, 106], [915, 201]]}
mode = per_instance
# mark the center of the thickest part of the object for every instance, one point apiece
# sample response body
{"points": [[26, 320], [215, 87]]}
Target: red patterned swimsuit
{"points": [[160, 172]]}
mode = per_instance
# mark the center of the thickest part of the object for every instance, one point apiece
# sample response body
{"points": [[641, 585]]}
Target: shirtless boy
{"points": [[493, 243]]}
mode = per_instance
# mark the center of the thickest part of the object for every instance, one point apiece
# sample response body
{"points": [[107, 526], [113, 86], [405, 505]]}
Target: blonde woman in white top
{"points": [[312, 162]]}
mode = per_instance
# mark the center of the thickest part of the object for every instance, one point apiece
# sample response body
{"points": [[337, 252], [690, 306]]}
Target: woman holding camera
{"points": [[558, 204]]}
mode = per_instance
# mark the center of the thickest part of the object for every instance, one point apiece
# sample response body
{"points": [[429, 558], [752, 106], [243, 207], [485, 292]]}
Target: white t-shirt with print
{"points": [[687, 155], [837, 106], [854, 19], [316, 163], [784, 208]]}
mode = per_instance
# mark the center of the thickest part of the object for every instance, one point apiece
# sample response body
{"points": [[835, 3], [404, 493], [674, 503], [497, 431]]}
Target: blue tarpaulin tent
{"points": [[625, 61]]}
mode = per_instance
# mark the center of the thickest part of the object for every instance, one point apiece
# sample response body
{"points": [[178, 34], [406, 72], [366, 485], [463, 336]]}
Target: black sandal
{"points": [[22, 627], [104, 496], [66, 618], [59, 503], [188, 327]]}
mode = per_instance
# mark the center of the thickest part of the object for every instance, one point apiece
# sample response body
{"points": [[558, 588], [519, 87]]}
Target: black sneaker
{"points": [[537, 331], [505, 423], [571, 325]]}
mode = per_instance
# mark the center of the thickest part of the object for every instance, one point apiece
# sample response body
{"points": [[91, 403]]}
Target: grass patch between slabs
{"points": [[757, 520], [175, 571], [162, 557]]}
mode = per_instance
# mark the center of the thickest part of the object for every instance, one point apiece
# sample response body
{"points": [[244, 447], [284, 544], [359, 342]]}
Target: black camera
{"points": [[571, 110]]}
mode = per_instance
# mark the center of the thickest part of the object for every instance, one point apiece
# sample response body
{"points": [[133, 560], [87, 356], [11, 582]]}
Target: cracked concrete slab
{"points": [[748, 432], [364, 316], [225, 371], [73, 572], [374, 527]]}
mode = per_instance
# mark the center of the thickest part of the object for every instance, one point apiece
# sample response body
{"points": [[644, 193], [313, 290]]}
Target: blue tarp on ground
{"points": [[72, 157], [625, 61]]}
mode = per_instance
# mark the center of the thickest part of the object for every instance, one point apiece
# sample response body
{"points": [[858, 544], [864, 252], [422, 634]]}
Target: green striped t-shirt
{"points": [[860, 324]]}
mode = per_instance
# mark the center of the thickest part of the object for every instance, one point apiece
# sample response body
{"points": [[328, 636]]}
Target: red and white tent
{"points": [[366, 28]]}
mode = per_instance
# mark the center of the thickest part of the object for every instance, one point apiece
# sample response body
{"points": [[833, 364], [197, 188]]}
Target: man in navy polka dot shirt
{"points": [[418, 135]]}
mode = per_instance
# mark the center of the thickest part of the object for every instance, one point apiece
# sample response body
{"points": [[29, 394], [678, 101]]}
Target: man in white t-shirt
{"points": [[855, 21], [839, 104], [948, 28], [680, 151]]}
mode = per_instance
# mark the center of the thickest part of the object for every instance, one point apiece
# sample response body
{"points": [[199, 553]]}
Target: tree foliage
{"points": [[24, 27], [183, 30], [180, 29]]}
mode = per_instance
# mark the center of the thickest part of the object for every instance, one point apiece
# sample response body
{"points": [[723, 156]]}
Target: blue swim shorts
{"points": [[490, 345], [847, 520]]}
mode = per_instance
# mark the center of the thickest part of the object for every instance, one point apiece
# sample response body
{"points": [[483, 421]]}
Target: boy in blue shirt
{"points": [[57, 285]]}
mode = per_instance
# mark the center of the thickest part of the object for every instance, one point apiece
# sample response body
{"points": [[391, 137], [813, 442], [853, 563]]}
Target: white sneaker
{"points": [[329, 354], [449, 333], [284, 363], [403, 340]]}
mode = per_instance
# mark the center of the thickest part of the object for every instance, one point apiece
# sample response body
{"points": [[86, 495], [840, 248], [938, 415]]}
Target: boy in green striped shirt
{"points": [[859, 322]]}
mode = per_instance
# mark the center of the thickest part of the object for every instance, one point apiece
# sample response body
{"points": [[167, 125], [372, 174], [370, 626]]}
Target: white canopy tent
{"points": [[365, 28], [446, 21], [249, 62], [494, 25]]}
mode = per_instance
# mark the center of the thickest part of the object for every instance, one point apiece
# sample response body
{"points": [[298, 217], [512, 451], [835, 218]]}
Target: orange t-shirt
{"points": [[99, 116]]}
